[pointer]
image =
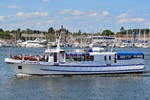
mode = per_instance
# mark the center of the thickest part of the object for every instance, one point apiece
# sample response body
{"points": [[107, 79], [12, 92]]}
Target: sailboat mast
{"points": [[144, 37], [139, 34], [127, 35]]}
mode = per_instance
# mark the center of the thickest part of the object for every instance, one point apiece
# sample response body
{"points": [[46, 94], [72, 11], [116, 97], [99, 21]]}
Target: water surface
{"points": [[101, 87]]}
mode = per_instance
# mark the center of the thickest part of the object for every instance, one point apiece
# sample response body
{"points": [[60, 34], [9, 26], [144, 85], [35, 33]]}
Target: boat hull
{"points": [[35, 69]]}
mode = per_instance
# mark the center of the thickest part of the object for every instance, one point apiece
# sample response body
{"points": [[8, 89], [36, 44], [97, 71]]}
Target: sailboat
{"points": [[145, 45]]}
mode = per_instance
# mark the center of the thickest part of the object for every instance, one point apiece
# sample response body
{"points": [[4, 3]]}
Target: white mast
{"points": [[144, 38], [139, 34], [112, 48], [148, 34], [127, 35], [58, 40]]}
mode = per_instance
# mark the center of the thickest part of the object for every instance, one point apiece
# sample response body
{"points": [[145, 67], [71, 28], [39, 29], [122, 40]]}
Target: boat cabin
{"points": [[55, 56]]}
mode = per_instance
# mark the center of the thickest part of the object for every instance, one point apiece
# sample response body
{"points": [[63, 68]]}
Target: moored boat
{"points": [[37, 43]]}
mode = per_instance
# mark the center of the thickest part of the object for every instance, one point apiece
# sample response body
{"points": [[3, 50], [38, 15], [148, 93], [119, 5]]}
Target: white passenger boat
{"points": [[78, 62], [58, 62]]}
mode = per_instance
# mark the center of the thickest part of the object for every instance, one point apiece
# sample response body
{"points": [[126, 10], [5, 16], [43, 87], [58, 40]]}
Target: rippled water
{"points": [[101, 87]]}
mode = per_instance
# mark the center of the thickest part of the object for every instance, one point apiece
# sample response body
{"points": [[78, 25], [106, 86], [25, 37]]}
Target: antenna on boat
{"points": [[58, 40], [112, 48]]}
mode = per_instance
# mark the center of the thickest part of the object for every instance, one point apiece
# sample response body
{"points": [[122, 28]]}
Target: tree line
{"points": [[131, 31], [52, 33]]}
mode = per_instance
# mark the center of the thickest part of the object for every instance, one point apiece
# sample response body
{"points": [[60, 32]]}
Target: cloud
{"points": [[77, 12], [147, 24], [94, 14], [68, 11], [31, 14], [46, 0], [1, 18], [50, 21], [65, 11], [137, 19], [20, 14], [122, 15], [44, 14], [38, 23], [71, 18], [123, 20], [13, 7], [105, 13]]}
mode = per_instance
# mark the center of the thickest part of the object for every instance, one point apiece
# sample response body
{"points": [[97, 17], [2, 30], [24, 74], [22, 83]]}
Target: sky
{"points": [[86, 15]]}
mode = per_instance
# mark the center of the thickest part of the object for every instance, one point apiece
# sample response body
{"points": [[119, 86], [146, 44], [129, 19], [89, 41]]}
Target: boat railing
{"points": [[42, 58]]}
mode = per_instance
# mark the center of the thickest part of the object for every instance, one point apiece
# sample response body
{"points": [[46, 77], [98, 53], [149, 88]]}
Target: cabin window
{"points": [[79, 57], [104, 57], [55, 57], [122, 57], [83, 57], [126, 57], [46, 58], [51, 54], [19, 67], [138, 56], [115, 60], [129, 57], [109, 57]]}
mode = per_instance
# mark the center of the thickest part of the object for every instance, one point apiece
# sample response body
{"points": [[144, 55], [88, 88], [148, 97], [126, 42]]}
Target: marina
{"points": [[75, 50], [57, 61], [77, 62]]}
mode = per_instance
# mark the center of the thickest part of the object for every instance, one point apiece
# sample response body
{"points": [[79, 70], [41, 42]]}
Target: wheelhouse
{"points": [[56, 56]]}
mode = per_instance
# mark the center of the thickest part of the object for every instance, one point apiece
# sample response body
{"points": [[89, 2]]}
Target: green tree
{"points": [[122, 29], [28, 31], [107, 32], [19, 34], [5, 35], [78, 33], [51, 30], [50, 37], [1, 30]]}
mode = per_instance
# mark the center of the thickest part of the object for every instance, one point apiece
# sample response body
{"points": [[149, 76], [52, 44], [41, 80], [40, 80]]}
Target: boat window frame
{"points": [[79, 57]]}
